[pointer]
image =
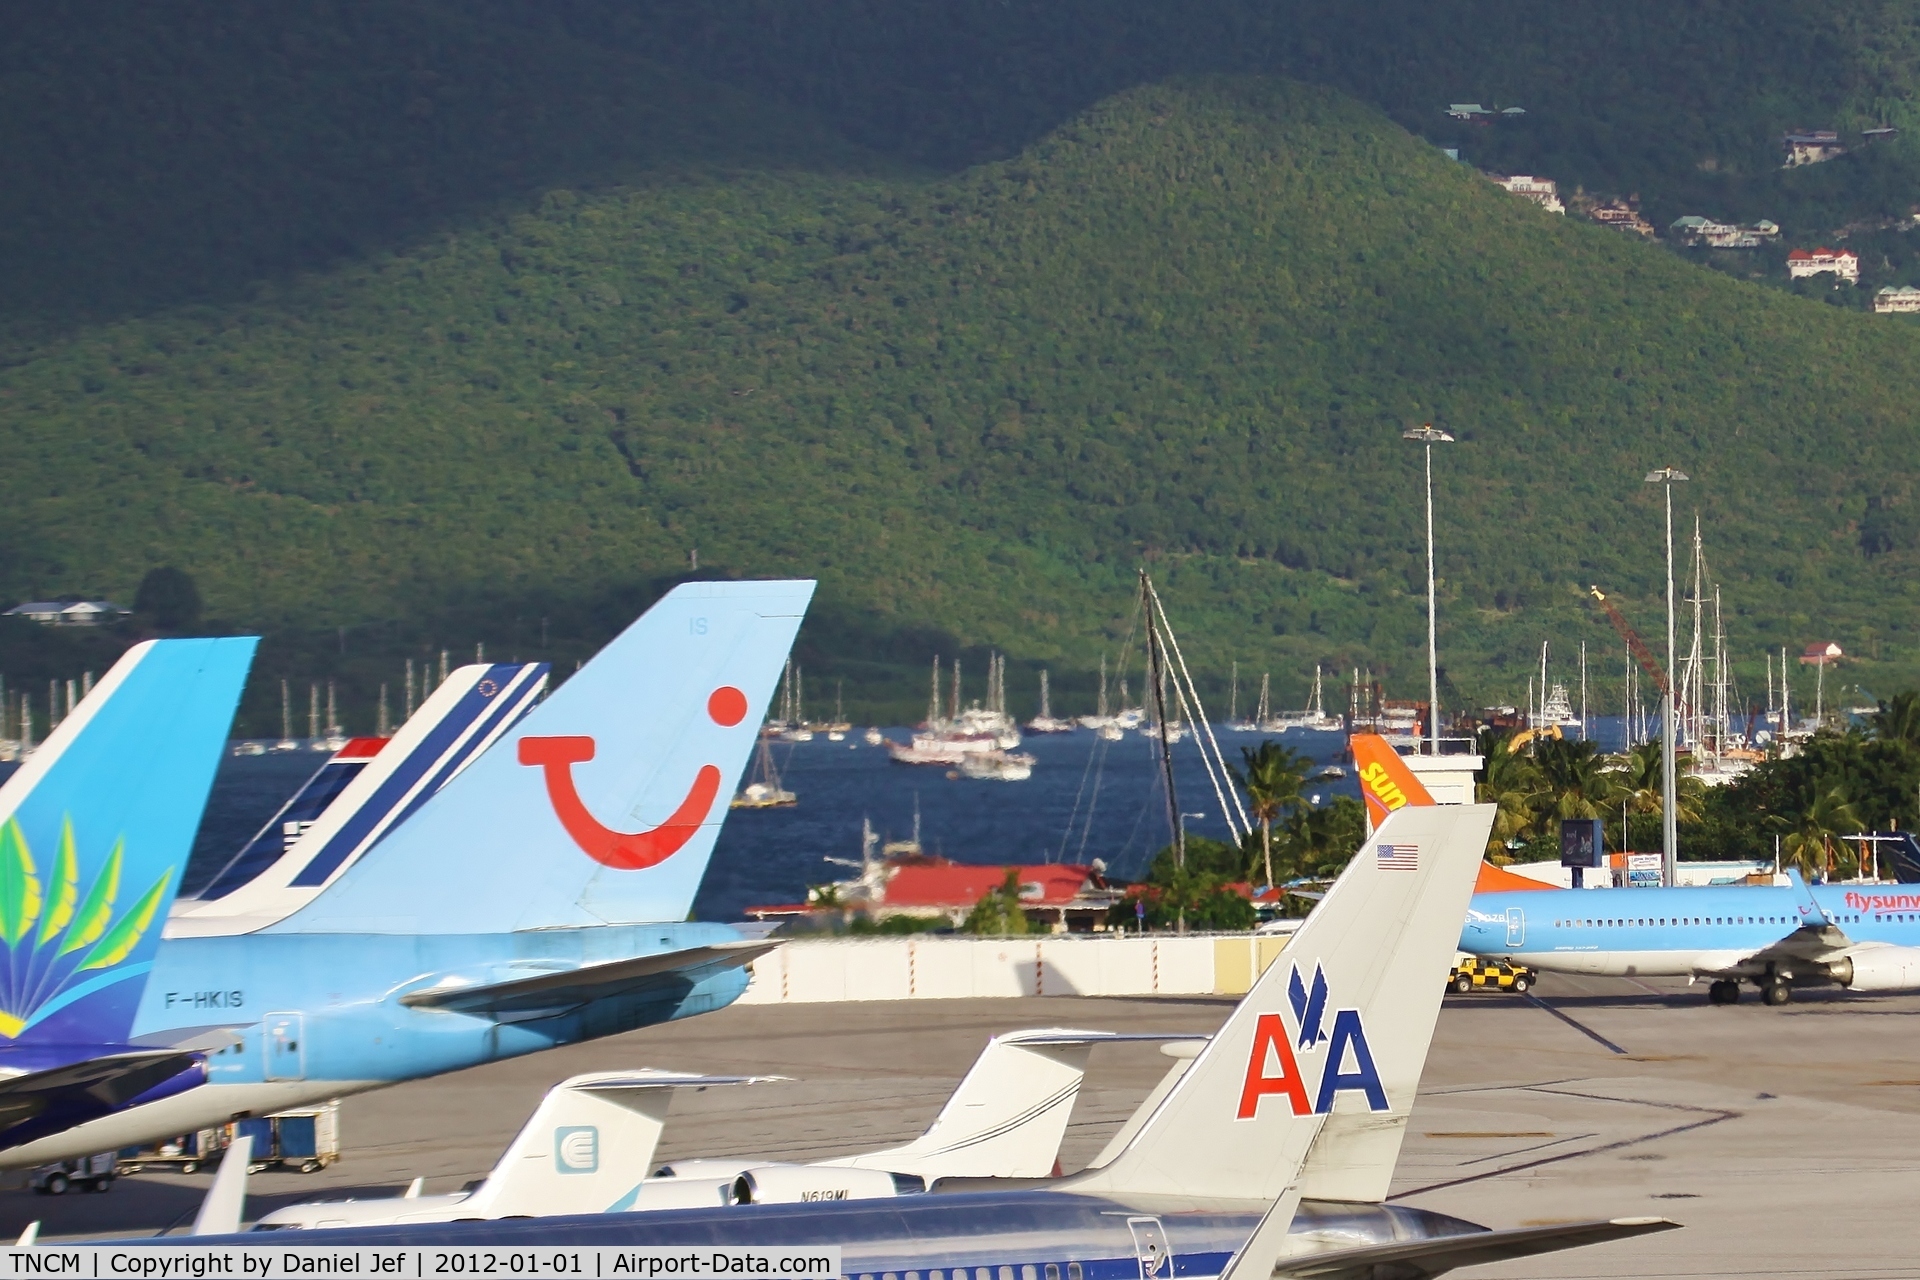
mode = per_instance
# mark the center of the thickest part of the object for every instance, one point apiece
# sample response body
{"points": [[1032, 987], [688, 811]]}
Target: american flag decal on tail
{"points": [[1399, 857]]}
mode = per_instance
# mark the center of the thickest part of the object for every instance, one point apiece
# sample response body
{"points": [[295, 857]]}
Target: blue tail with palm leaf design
{"points": [[95, 829]]}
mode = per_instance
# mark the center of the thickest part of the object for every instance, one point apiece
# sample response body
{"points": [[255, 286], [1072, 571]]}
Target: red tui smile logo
{"points": [[628, 850]]}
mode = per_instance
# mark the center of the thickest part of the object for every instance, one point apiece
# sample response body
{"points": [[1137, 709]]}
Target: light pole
{"points": [[1428, 436], [1666, 477]]}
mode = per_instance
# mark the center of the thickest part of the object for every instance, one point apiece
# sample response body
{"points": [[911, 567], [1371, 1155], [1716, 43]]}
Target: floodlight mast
{"points": [[1427, 435], [1666, 478]]}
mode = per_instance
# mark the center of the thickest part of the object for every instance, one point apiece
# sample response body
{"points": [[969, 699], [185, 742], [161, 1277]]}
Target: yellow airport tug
{"points": [[1472, 973]]}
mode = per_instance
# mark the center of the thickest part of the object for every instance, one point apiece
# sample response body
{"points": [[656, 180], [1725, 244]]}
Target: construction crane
{"points": [[1635, 645]]}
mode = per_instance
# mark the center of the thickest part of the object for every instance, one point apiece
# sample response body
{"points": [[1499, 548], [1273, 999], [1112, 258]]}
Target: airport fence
{"points": [[829, 970]]}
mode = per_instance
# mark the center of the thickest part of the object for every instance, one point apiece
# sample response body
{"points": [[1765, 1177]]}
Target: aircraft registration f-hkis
{"points": [[1271, 1154], [539, 898]]}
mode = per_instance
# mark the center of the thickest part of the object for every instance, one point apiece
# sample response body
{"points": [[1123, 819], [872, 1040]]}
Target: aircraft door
{"points": [[1150, 1246], [286, 1046], [1516, 927]]}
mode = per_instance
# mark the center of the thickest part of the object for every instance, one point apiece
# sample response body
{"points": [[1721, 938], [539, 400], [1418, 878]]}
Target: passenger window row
{"points": [[1027, 1272], [1674, 920]]}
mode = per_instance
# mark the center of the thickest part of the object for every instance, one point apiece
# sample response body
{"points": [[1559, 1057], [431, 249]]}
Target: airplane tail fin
{"points": [[1386, 783], [95, 829], [1007, 1116], [1331, 1040], [589, 1142], [366, 789], [602, 805]]}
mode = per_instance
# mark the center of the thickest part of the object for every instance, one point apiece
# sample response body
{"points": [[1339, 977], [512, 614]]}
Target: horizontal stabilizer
{"points": [[96, 1084], [549, 994], [1414, 1259]]}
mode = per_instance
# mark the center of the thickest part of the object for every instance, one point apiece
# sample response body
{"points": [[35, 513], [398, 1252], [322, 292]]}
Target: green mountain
{"points": [[1184, 328]]}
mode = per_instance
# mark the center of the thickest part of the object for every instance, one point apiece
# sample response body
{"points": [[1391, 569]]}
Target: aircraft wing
{"points": [[1818, 940], [1416, 1259], [546, 995], [105, 1082]]}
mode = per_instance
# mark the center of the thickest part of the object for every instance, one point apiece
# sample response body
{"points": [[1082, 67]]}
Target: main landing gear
{"points": [[1773, 990]]}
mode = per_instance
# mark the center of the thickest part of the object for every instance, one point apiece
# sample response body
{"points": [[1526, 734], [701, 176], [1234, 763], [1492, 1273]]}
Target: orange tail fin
{"points": [[1385, 781]]}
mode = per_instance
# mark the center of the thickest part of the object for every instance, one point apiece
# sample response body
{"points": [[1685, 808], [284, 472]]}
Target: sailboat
{"points": [[335, 738], [950, 738], [764, 791], [1046, 722], [793, 712], [837, 731], [286, 742], [1314, 719]]}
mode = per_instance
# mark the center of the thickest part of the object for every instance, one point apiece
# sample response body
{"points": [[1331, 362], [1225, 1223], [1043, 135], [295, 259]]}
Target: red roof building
{"points": [[1060, 896], [1844, 263]]}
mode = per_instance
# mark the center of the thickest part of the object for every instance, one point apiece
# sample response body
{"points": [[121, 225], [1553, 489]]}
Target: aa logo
{"points": [[1273, 1067]]}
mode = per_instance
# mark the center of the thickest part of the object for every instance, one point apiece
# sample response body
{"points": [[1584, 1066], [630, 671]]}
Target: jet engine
{"points": [[1878, 969], [797, 1183]]}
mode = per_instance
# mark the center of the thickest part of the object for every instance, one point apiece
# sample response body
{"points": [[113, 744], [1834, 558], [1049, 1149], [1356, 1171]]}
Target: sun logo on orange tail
{"points": [[629, 850]]}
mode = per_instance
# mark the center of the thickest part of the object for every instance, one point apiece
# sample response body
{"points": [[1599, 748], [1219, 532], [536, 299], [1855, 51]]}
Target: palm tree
{"points": [[1511, 783], [1898, 720], [1272, 780], [1639, 787], [1813, 830], [1574, 778]]}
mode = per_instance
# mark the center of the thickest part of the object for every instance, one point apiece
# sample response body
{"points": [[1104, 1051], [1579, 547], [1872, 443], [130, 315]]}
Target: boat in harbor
{"points": [[1314, 719], [1046, 721], [764, 791], [947, 739], [997, 766]]}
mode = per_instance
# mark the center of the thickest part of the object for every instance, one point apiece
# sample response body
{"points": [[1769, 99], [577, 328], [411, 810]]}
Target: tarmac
{"points": [[1787, 1141]]}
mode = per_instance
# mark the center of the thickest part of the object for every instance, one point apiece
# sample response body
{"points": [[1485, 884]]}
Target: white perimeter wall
{"points": [[950, 968]]}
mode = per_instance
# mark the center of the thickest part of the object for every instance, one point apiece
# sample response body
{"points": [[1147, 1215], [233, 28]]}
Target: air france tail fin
{"points": [[602, 805], [1386, 783], [1331, 1040], [365, 790], [590, 1142], [95, 829]]}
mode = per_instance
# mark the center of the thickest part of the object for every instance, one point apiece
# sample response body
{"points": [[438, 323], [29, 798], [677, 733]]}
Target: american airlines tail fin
{"points": [[365, 790], [601, 806], [1007, 1116], [95, 829], [1331, 1040]]}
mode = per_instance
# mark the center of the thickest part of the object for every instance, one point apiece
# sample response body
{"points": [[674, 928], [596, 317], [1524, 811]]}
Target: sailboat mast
{"points": [[1156, 689], [1233, 696], [1583, 691], [1102, 712], [933, 698]]}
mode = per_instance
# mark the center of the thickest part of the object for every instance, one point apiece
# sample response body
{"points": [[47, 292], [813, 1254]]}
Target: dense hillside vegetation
{"points": [[553, 351]]}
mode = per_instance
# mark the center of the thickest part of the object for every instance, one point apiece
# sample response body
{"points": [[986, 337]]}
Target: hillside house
{"points": [[1805, 263], [68, 613], [1897, 300], [1470, 111], [1820, 653], [1544, 192], [1886, 133], [1696, 230], [1811, 146], [1622, 215]]}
